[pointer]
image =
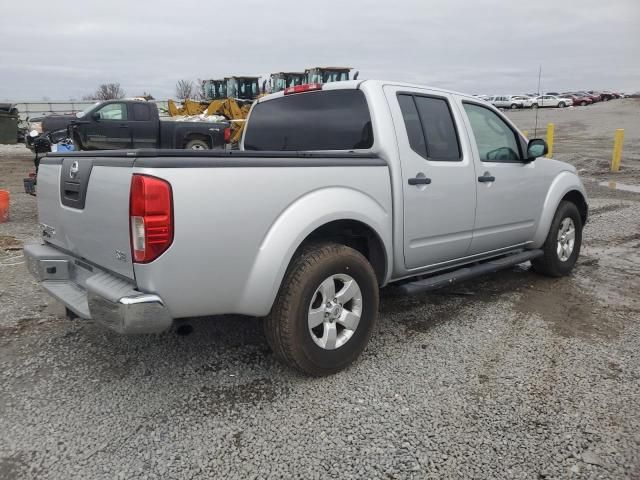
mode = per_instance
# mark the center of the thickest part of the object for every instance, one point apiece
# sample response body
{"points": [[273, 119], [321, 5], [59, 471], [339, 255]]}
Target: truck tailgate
{"points": [[83, 205]]}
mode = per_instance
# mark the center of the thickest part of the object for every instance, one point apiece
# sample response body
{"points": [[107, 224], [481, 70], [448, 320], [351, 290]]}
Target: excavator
{"points": [[232, 97]]}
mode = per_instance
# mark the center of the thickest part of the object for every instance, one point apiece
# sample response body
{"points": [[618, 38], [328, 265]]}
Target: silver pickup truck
{"points": [[337, 190]]}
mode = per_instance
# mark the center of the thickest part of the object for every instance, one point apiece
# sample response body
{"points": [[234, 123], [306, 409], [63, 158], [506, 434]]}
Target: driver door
{"points": [[108, 128], [509, 192]]}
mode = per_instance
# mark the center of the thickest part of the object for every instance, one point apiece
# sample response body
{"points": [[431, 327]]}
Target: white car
{"points": [[507, 101], [551, 101]]}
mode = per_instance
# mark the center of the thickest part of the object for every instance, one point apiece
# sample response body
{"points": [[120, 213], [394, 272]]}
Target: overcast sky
{"points": [[65, 50]]}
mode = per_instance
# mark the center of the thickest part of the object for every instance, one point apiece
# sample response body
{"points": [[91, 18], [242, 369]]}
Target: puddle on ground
{"points": [[572, 306], [568, 309], [613, 185]]}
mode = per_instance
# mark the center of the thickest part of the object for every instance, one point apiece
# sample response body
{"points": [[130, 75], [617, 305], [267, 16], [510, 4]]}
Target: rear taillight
{"points": [[307, 87], [227, 135], [151, 217]]}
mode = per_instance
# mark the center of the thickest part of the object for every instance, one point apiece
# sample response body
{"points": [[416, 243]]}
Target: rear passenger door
{"points": [[437, 177]]}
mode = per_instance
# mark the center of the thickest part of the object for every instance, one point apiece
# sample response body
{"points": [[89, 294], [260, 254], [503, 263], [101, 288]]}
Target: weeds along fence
{"points": [[28, 110]]}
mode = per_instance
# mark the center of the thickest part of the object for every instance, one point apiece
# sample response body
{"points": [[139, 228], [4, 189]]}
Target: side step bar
{"points": [[465, 273]]}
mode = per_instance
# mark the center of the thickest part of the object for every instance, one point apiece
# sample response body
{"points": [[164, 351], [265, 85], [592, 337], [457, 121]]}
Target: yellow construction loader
{"points": [[231, 98]]}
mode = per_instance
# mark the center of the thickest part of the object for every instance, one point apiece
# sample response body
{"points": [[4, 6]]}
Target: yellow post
{"points": [[550, 128], [525, 133], [617, 150]]}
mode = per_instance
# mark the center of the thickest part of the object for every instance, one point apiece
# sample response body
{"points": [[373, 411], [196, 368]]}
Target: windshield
{"points": [[86, 110], [278, 84], [243, 89], [335, 76], [314, 77]]}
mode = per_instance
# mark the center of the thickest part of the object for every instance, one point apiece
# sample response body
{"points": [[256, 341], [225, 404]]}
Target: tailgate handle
{"points": [[72, 190]]}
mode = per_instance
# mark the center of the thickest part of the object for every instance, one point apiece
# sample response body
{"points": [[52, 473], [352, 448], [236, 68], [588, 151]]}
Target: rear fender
{"points": [[562, 184], [294, 225], [214, 135]]}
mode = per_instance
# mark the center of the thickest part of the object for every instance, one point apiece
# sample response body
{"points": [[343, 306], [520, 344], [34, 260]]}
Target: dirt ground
{"points": [[511, 376]]}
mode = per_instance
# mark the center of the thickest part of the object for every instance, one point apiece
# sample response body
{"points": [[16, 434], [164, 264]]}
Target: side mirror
{"points": [[95, 116], [537, 147]]}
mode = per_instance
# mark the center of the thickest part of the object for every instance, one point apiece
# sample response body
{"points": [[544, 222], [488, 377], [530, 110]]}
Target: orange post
{"points": [[4, 206]]}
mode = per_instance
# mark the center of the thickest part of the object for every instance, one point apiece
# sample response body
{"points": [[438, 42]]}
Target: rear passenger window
{"points": [[141, 112], [430, 127], [412, 124]]}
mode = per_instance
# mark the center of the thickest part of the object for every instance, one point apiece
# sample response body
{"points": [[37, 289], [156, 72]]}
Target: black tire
{"points": [[197, 144], [583, 103], [534, 105], [513, 106], [562, 105], [550, 263], [286, 327]]}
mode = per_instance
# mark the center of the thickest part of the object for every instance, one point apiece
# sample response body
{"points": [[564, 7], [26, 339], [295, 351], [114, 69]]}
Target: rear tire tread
{"points": [[278, 330]]}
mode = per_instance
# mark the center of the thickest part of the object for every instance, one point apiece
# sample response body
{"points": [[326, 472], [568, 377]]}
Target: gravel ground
{"points": [[512, 376]]}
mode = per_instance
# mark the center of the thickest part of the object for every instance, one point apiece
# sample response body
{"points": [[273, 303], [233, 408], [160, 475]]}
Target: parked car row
{"points": [[551, 99]]}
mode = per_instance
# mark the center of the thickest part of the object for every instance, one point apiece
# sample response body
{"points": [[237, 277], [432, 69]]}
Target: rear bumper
{"points": [[95, 294]]}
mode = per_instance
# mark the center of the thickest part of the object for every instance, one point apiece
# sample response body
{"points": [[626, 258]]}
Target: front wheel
{"points": [[325, 311], [562, 105], [583, 104], [513, 106], [562, 246], [534, 105]]}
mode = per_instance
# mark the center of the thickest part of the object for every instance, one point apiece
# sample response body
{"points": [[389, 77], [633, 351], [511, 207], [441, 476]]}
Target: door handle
{"points": [[486, 178], [124, 125], [419, 181]]}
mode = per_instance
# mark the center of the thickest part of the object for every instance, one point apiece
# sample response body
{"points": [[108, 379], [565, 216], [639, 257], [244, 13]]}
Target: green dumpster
{"points": [[8, 124]]}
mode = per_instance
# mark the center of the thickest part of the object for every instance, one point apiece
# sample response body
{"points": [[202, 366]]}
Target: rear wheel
{"points": [[325, 311], [562, 105], [583, 103], [562, 246], [513, 106], [534, 105], [197, 144]]}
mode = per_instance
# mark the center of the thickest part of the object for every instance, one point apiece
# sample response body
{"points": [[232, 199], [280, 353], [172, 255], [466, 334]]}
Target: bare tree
{"points": [[200, 94], [106, 91], [184, 89]]}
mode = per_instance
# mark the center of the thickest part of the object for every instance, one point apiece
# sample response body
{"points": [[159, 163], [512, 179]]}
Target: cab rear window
{"points": [[325, 120]]}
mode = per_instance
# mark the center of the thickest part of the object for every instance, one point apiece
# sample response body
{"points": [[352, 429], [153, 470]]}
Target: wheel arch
{"points": [[566, 186], [197, 136], [341, 214], [578, 199], [357, 235]]}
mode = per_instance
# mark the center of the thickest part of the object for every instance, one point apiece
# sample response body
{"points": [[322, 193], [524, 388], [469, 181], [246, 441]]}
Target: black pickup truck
{"points": [[121, 124]]}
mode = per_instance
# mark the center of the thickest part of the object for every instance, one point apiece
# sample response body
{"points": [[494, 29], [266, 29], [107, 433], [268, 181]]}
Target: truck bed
{"points": [[230, 209]]}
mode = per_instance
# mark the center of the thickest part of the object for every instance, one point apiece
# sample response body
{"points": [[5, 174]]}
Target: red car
{"points": [[578, 99], [593, 96]]}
